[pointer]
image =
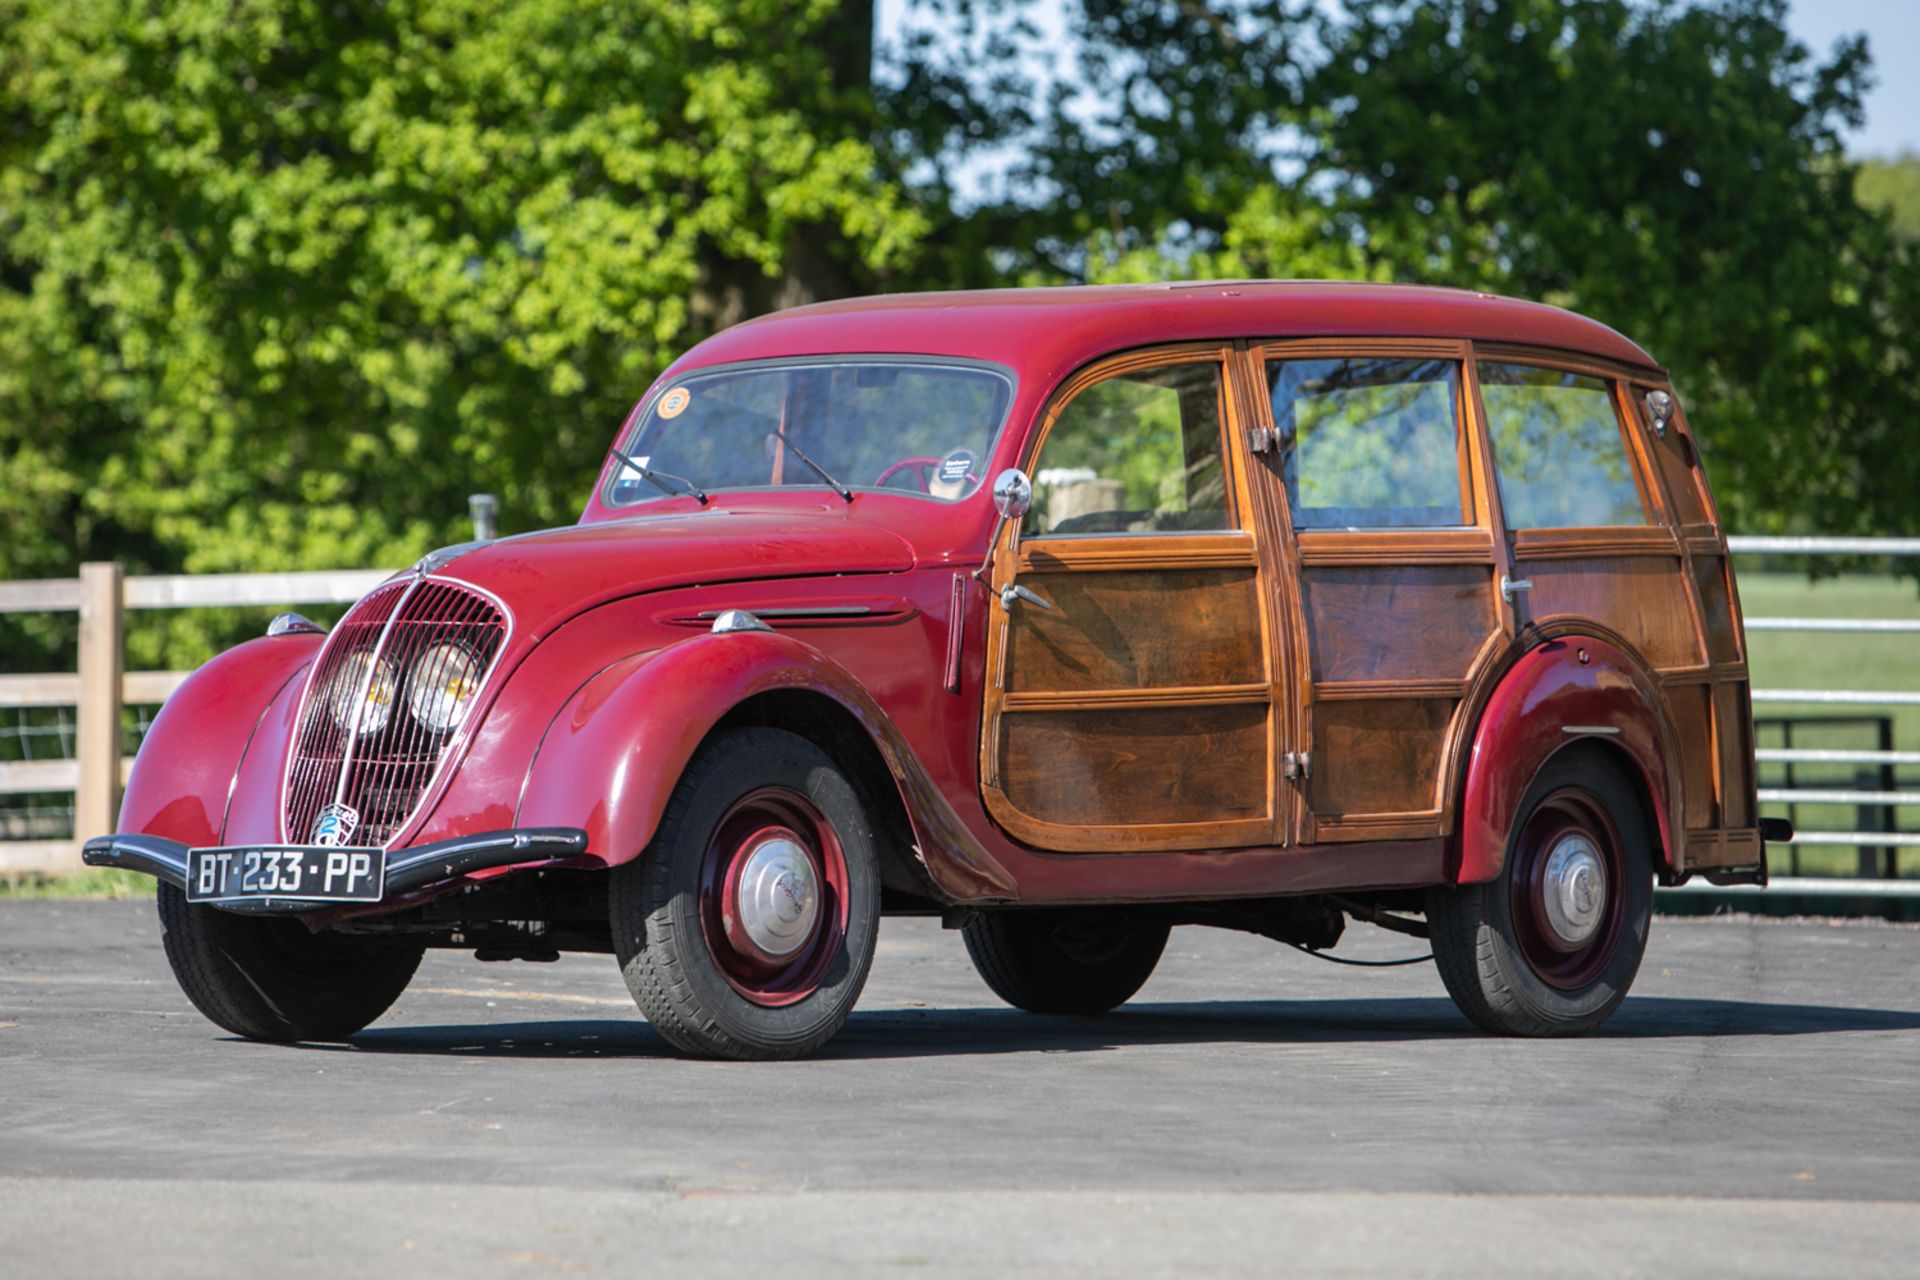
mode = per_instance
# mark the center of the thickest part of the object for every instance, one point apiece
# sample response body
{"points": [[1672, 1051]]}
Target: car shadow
{"points": [[916, 1032]]}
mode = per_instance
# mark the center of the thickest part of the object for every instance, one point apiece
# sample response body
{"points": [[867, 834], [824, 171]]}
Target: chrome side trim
{"points": [[797, 611], [1589, 728]]}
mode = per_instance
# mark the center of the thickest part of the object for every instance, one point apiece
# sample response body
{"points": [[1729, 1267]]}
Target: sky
{"points": [[1892, 28]]}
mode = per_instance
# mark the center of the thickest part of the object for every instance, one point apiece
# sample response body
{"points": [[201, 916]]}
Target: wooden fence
{"points": [[100, 689]]}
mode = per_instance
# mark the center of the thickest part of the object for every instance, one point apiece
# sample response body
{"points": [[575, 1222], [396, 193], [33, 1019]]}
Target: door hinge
{"points": [[1262, 439], [1297, 765]]}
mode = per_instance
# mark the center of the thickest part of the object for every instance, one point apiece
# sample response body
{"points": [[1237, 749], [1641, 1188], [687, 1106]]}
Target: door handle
{"points": [[1013, 593], [1510, 587]]}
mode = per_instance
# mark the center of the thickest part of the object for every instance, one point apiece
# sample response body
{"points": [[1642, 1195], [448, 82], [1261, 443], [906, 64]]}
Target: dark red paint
{"points": [[610, 680], [1526, 722]]}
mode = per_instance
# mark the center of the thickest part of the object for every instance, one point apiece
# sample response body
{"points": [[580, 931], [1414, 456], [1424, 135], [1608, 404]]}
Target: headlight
{"points": [[345, 697], [441, 686]]}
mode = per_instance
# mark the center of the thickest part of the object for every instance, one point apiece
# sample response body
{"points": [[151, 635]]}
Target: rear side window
{"points": [[1558, 449], [1369, 442]]}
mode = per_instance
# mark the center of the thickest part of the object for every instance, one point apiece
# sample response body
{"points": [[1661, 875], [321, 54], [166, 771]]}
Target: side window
{"points": [[1558, 450], [1369, 442], [1138, 452]]}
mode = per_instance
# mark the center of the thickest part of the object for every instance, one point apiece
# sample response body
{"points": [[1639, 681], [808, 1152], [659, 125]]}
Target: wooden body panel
{"points": [[1152, 711], [1137, 713]]}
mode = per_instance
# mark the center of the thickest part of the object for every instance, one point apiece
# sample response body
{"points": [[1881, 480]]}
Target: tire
{"points": [[1078, 961], [270, 978], [746, 929], [1522, 961]]}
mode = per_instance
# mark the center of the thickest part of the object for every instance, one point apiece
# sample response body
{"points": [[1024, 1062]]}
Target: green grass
{"points": [[100, 882], [1823, 660]]}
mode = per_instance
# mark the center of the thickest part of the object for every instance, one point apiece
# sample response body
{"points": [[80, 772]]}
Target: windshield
{"points": [[898, 425]]}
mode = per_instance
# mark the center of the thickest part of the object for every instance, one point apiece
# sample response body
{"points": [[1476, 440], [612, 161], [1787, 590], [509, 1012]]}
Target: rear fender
{"points": [[611, 758], [183, 777], [1572, 689]]}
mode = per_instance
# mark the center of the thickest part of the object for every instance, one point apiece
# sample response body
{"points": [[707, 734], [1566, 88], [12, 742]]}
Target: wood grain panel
{"points": [[1419, 622], [1734, 736], [1123, 767], [1642, 598], [1377, 757], [1691, 706], [1680, 468], [1716, 609], [1395, 546], [1125, 630]]}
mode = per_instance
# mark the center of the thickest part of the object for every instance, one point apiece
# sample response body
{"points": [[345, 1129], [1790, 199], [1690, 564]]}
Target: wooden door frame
{"points": [[1241, 546], [1482, 542]]}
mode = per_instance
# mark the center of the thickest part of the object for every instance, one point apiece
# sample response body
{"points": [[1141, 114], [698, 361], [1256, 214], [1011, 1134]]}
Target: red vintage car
{"points": [[1066, 615]]}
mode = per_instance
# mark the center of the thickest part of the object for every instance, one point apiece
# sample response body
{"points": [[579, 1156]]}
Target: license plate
{"points": [[305, 872]]}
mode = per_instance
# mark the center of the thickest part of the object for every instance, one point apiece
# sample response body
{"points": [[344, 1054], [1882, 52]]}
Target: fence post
{"points": [[96, 800]]}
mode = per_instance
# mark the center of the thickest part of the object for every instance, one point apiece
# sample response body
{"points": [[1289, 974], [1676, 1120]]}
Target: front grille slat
{"points": [[387, 772]]}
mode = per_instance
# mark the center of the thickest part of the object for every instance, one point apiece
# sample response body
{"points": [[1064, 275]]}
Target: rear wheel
{"points": [[747, 928], [1081, 961], [269, 977], [1551, 945]]}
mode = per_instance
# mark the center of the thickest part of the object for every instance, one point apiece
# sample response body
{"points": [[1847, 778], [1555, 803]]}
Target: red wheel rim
{"points": [[1568, 889], [773, 897]]}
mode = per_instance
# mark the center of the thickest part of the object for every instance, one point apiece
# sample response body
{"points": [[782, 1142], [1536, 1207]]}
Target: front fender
{"points": [[1570, 689], [183, 776], [611, 758]]}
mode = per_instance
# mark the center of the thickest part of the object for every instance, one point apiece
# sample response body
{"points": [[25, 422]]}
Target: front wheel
{"points": [[747, 928], [1550, 946], [271, 978]]}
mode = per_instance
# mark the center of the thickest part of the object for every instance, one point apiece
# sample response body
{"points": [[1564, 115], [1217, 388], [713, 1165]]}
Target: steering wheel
{"points": [[927, 469]]}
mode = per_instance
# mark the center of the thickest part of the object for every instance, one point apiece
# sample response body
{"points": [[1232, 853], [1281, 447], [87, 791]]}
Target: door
{"points": [[1371, 470], [1132, 705]]}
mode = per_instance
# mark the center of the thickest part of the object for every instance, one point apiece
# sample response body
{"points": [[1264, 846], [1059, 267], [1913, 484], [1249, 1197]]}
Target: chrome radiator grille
{"points": [[383, 769]]}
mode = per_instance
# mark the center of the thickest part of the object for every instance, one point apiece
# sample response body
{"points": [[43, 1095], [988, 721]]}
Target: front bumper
{"points": [[407, 869]]}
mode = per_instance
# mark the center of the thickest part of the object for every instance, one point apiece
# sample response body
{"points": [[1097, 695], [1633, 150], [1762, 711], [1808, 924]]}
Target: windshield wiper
{"points": [[658, 479], [819, 470]]}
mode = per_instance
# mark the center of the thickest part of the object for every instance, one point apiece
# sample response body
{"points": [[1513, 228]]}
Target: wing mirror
{"points": [[1012, 497], [1012, 493]]}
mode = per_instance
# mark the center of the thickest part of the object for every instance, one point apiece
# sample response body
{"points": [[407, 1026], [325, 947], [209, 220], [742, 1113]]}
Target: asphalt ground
{"points": [[1751, 1110]]}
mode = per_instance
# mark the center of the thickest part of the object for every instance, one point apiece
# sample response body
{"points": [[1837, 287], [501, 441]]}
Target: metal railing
{"points": [[1883, 800], [99, 689]]}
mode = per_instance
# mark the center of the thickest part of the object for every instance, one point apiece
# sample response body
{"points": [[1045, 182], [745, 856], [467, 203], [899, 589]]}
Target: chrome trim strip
{"points": [[797, 611], [1589, 728]]}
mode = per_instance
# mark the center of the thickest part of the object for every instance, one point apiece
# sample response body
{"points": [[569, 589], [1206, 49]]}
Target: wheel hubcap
{"points": [[1575, 888], [777, 896], [773, 897], [1568, 888]]}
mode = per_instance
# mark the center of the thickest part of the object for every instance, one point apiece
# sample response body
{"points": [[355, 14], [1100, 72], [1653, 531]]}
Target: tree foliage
{"points": [[282, 281]]}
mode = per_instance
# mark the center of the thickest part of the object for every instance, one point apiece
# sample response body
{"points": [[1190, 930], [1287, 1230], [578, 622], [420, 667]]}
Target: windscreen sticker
{"points": [[957, 466], [675, 402]]}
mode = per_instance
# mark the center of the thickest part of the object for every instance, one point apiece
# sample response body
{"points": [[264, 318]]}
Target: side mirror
{"points": [[1012, 497], [1660, 410], [1012, 493]]}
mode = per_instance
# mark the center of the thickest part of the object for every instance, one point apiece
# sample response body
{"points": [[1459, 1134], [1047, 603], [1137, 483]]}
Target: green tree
{"points": [[1893, 187], [282, 281], [1676, 171]]}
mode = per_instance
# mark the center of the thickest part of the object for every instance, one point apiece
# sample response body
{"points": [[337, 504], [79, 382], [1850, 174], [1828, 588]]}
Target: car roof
{"points": [[1052, 330]]}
